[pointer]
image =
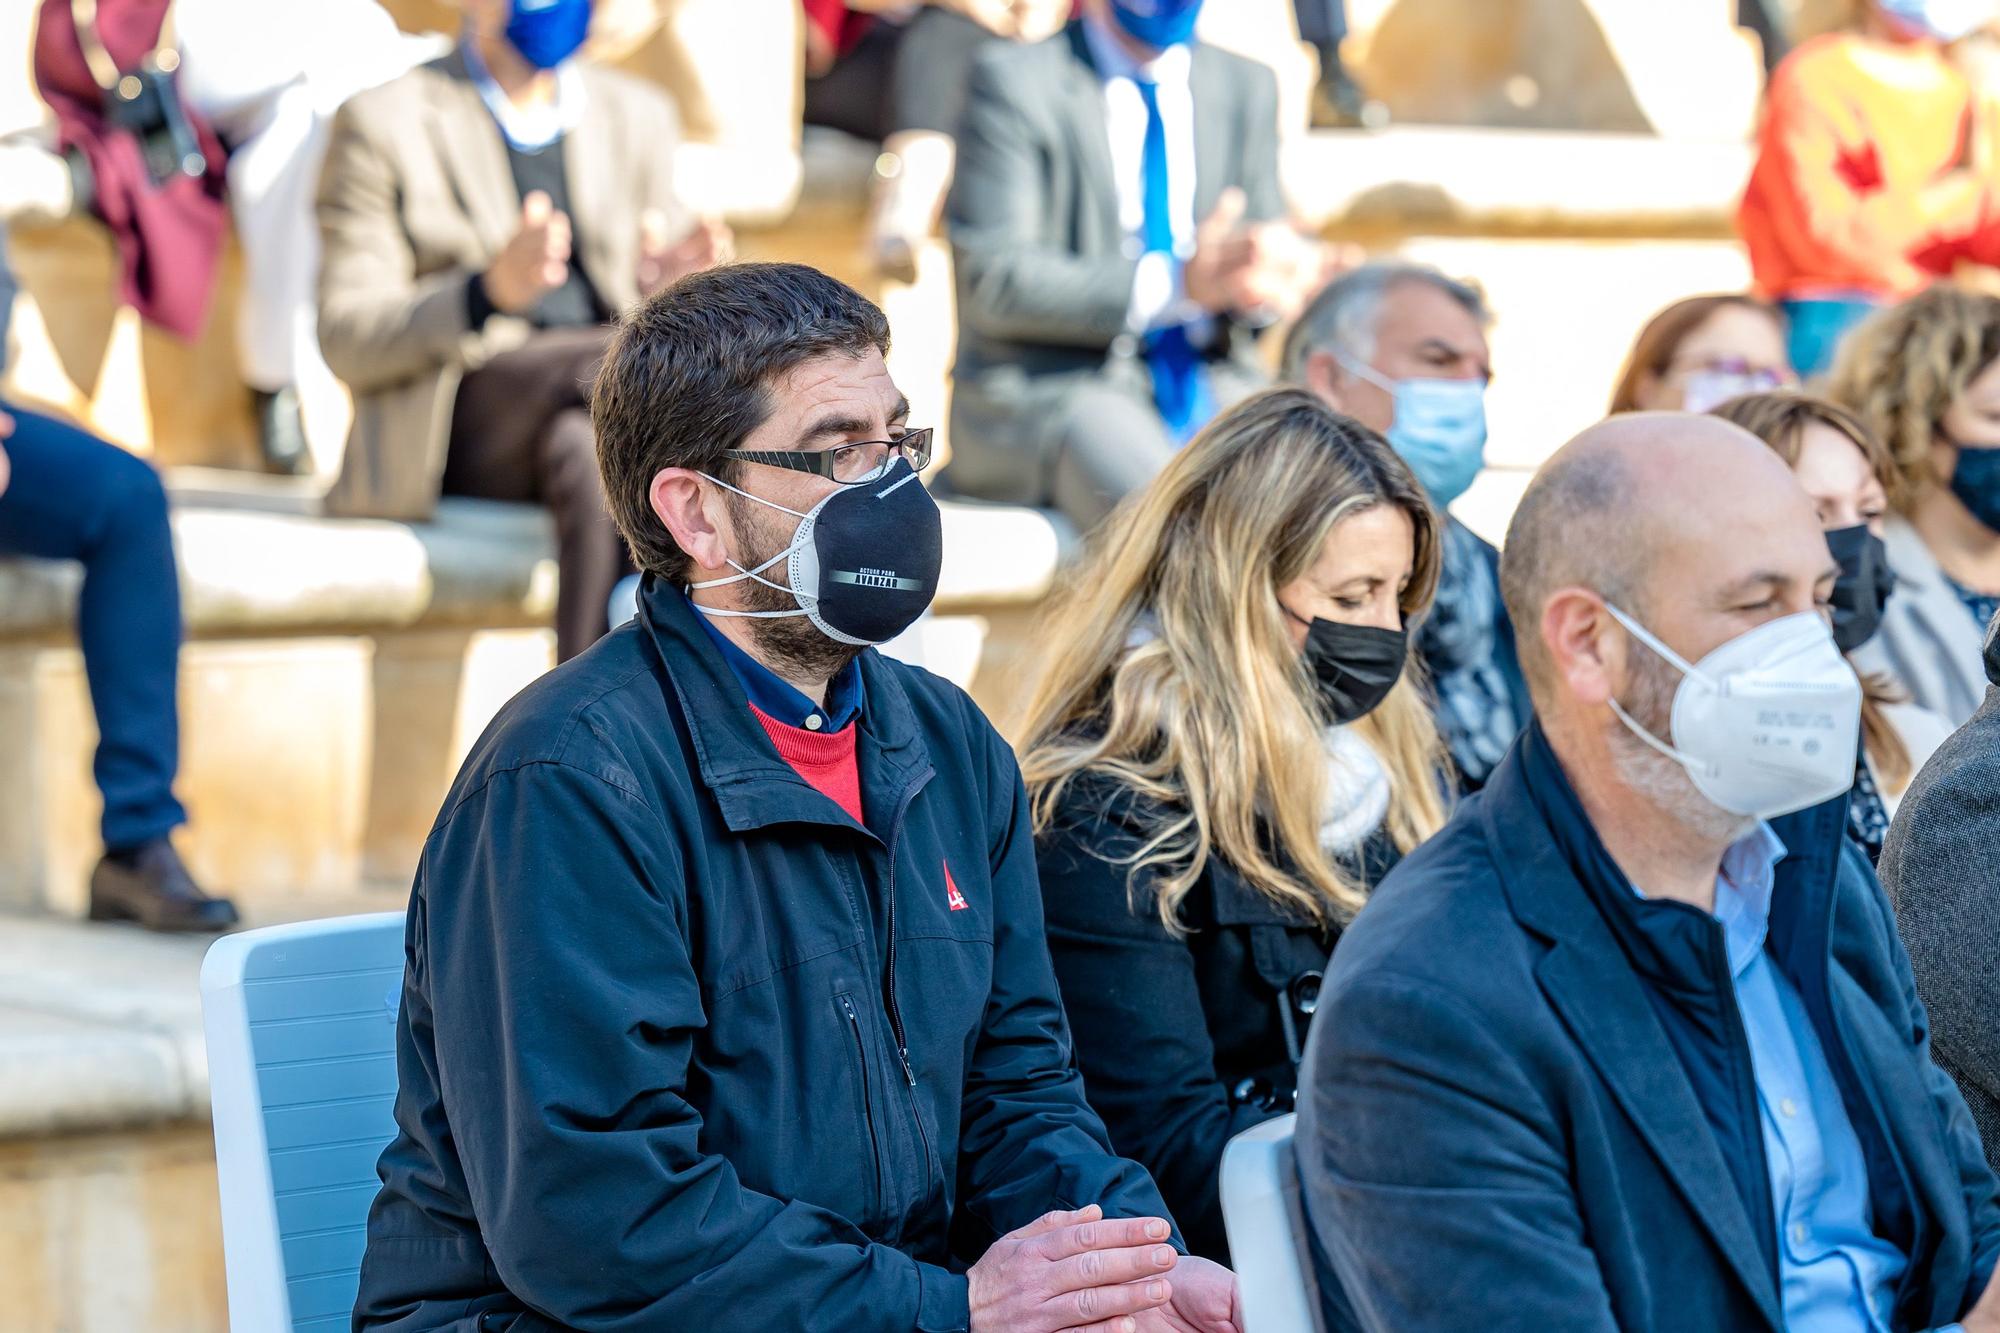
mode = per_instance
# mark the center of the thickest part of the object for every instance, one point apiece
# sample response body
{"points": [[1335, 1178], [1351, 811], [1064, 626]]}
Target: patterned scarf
{"points": [[1459, 642]]}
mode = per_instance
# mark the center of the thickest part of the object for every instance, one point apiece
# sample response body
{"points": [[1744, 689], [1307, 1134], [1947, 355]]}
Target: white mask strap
{"points": [[1366, 372], [752, 574], [768, 504], [744, 615], [742, 574], [1632, 725], [1645, 636]]}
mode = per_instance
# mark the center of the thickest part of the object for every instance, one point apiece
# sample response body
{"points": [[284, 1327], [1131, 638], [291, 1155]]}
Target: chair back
{"points": [[1262, 1212], [301, 1028]]}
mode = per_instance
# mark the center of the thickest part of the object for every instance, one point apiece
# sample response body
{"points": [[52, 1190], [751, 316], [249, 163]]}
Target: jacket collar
{"points": [[1593, 978], [752, 786], [1993, 652]]}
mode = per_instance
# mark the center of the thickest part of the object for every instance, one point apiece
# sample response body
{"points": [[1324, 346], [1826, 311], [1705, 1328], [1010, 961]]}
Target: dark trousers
{"points": [[74, 497], [1322, 23], [854, 96], [520, 431]]}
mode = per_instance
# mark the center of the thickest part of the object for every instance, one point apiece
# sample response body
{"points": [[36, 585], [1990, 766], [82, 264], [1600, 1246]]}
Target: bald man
{"points": [[1632, 1044]]}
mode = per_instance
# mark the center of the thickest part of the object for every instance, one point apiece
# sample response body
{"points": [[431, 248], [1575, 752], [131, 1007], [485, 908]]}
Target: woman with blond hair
{"points": [[1924, 377], [1224, 753], [1846, 471]]}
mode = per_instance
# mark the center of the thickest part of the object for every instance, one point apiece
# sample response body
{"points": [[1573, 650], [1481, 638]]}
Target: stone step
{"points": [[337, 671]]}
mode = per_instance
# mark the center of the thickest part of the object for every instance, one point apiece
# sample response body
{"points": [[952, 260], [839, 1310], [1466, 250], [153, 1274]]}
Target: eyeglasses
{"points": [[848, 464]]}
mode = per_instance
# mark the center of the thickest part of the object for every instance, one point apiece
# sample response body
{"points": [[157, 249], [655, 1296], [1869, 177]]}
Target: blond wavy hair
{"points": [[1214, 719], [1901, 369]]}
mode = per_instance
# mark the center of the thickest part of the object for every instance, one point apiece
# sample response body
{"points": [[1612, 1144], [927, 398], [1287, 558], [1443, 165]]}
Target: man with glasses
{"points": [[727, 1001]]}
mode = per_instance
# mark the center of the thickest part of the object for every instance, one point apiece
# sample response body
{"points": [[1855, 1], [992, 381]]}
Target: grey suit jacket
{"points": [[1941, 866], [1929, 642], [416, 196], [1043, 269]]}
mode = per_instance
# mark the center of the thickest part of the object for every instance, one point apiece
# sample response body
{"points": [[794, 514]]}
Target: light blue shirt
{"points": [[529, 129], [1834, 1272]]}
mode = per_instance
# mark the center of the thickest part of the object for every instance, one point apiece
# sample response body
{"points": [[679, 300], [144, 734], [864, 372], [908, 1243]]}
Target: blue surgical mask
{"points": [[548, 32], [1439, 429], [1945, 20], [1157, 23]]}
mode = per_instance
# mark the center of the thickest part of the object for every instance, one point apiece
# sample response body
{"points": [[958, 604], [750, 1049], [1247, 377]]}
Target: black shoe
{"points": [[1339, 104], [281, 431], [151, 886]]}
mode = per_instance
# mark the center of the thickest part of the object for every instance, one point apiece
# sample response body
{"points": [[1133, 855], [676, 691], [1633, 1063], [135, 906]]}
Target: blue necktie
{"points": [[1180, 384]]}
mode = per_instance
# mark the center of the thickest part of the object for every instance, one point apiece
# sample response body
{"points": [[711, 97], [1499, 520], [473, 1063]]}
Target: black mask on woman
{"points": [[1862, 589], [1976, 481], [1354, 666]]}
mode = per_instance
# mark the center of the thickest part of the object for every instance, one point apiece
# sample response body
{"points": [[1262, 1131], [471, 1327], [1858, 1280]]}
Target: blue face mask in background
{"points": [[1157, 23], [1975, 480], [1439, 429], [548, 32], [1945, 20]]}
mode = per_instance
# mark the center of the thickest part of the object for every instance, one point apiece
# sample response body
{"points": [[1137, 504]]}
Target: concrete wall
{"points": [[112, 1233]]}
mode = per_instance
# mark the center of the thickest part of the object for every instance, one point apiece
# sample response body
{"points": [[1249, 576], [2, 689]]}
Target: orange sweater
{"points": [[1856, 186]]}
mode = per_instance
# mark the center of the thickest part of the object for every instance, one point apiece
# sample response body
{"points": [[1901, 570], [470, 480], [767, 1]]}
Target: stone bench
{"points": [[337, 670], [107, 1165]]}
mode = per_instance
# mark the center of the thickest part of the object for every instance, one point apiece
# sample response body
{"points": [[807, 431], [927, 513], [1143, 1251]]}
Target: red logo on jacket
{"points": [[952, 896]]}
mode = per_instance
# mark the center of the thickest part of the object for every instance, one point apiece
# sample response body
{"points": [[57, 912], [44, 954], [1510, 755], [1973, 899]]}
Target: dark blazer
{"points": [[1182, 1040], [1043, 271], [1940, 869], [683, 1046], [1496, 1130]]}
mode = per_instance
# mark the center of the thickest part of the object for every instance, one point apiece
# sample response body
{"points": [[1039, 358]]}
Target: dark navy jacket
{"points": [[659, 994], [1514, 1116]]}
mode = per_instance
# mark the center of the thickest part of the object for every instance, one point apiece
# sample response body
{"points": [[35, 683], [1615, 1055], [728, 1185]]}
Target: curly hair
{"points": [[1903, 367]]}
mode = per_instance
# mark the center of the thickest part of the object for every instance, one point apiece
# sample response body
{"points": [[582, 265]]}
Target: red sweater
{"points": [[823, 758]]}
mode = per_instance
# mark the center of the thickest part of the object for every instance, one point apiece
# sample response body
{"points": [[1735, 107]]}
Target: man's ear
{"points": [[1326, 379], [692, 514], [1587, 657]]}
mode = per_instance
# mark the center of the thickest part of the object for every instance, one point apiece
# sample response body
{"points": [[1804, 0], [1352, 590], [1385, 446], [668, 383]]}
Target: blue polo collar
{"points": [[776, 697]]}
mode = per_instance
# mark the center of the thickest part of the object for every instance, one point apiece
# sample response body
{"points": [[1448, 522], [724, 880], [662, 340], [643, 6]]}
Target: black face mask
{"points": [[1354, 666], [862, 564], [1862, 589]]}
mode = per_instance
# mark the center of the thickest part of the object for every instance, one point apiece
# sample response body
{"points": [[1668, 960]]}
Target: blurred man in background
{"points": [[1108, 301], [1401, 348], [483, 216]]}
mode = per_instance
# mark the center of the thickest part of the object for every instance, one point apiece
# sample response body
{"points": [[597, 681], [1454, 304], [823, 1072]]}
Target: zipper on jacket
{"points": [[889, 981], [867, 1103]]}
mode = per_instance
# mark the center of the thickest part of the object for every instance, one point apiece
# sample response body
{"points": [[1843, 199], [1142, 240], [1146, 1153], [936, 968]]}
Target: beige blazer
{"points": [[416, 196]]}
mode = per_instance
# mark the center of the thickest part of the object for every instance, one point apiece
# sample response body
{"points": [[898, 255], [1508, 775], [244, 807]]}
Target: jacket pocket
{"points": [[857, 1043]]}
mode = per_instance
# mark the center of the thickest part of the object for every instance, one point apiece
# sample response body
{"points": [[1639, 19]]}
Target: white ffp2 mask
{"points": [[1766, 724]]}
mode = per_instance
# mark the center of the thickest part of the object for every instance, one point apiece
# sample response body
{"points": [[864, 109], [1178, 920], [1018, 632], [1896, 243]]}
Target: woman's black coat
{"points": [[1183, 1041]]}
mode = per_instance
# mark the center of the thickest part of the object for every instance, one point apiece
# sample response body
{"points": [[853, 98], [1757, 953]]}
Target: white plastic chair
{"points": [[1267, 1227], [301, 1027]]}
